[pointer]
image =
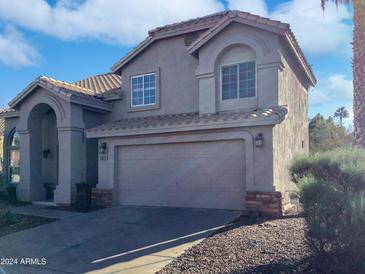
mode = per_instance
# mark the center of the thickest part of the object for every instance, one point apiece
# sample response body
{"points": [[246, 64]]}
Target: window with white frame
{"points": [[143, 90], [238, 80]]}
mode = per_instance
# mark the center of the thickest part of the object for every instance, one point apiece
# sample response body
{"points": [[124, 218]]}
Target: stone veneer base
{"points": [[264, 203], [101, 197]]}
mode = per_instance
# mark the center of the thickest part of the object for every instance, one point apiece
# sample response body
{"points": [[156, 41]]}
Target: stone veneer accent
{"points": [[101, 197], [265, 203]]}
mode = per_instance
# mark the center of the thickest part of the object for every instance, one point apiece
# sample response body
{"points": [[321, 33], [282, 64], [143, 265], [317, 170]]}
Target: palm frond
{"points": [[347, 2]]}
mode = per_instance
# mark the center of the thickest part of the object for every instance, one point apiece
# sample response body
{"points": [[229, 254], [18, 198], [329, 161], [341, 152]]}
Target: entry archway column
{"points": [[24, 188], [70, 165]]}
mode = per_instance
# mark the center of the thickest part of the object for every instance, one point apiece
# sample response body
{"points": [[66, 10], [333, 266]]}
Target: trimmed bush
{"points": [[7, 217], [331, 191], [344, 168]]}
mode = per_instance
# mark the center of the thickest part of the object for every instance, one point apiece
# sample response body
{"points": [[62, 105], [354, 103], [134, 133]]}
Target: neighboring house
{"points": [[206, 113]]}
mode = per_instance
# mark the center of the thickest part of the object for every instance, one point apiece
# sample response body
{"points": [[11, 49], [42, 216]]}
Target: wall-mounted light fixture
{"points": [[102, 148], [259, 140]]}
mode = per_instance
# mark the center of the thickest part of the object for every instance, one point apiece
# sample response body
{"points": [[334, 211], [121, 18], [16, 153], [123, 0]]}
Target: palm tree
{"points": [[341, 113], [358, 68]]}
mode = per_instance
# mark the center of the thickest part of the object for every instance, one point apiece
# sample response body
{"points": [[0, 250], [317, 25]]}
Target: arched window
{"points": [[13, 157], [237, 73]]}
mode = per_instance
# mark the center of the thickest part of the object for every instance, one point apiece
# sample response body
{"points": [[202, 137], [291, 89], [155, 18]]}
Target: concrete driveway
{"points": [[113, 240]]}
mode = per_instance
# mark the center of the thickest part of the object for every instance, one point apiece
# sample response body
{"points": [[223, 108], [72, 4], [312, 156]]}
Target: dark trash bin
{"points": [[50, 188], [12, 198], [83, 196]]}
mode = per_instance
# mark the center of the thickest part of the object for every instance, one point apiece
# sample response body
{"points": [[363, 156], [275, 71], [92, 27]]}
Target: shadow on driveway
{"points": [[128, 239]]}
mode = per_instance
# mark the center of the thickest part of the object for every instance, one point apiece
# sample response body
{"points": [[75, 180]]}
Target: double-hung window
{"points": [[143, 90], [238, 80]]}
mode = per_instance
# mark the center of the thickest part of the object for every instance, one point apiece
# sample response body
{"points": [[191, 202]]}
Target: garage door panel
{"points": [[222, 199], [184, 181], [203, 174], [219, 165]]}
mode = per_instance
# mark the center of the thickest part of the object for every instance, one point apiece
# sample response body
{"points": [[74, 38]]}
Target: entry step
{"points": [[44, 203]]}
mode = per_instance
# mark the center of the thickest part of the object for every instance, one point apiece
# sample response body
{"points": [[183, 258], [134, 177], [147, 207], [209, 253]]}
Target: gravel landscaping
{"points": [[250, 245], [11, 223]]}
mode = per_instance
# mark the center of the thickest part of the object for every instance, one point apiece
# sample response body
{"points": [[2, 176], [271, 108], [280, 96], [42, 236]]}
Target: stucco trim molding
{"points": [[47, 99], [279, 65], [245, 136], [70, 128], [205, 75]]}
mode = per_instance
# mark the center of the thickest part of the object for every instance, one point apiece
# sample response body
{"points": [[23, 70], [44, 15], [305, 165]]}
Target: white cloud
{"points": [[123, 22], [126, 22], [15, 51], [257, 7], [335, 89], [318, 31], [331, 93]]}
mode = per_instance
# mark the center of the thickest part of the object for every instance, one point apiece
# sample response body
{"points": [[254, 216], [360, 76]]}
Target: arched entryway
{"points": [[44, 155]]}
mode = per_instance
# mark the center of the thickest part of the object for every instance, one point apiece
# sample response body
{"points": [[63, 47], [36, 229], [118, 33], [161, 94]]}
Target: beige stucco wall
{"points": [[261, 45], [71, 159], [187, 83], [259, 165], [176, 84], [290, 138]]}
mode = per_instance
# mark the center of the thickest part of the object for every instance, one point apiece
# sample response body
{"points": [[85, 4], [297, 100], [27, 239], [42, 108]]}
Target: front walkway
{"points": [[113, 240], [43, 211]]}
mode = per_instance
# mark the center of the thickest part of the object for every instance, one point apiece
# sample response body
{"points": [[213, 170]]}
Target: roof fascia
{"points": [[304, 66], [68, 98], [150, 39], [118, 65]]}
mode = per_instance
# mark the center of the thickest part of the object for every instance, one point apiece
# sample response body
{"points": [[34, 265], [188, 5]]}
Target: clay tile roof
{"points": [[7, 110], [171, 120], [208, 20], [209, 23], [77, 93], [100, 83], [66, 85]]}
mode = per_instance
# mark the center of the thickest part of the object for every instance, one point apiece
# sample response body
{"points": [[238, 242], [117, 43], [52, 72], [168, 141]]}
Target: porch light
{"points": [[102, 148], [259, 140]]}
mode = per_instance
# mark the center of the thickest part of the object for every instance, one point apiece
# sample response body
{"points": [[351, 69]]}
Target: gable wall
{"points": [[182, 79], [265, 46], [177, 84]]}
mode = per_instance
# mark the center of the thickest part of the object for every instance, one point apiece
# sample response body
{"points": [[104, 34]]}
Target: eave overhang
{"points": [[189, 122]]}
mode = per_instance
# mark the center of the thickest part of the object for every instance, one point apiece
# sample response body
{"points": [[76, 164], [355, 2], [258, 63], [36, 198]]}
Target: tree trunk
{"points": [[359, 72]]}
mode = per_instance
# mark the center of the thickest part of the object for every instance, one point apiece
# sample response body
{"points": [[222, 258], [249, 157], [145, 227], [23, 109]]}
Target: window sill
{"points": [[143, 107]]}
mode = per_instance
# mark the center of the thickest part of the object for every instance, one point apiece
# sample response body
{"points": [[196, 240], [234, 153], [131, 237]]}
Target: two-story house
{"points": [[205, 113]]}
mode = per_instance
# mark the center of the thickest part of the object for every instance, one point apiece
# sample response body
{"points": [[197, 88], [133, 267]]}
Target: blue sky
{"points": [[73, 39]]}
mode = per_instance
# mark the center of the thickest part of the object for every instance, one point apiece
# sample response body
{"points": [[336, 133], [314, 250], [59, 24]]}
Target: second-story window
{"points": [[143, 90], [238, 80]]}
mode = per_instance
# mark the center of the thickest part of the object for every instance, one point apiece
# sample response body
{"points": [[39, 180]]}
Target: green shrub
{"points": [[331, 191], [344, 168], [7, 217]]}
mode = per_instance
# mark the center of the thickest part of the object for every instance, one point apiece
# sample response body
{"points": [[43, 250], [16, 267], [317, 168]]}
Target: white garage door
{"points": [[201, 175]]}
